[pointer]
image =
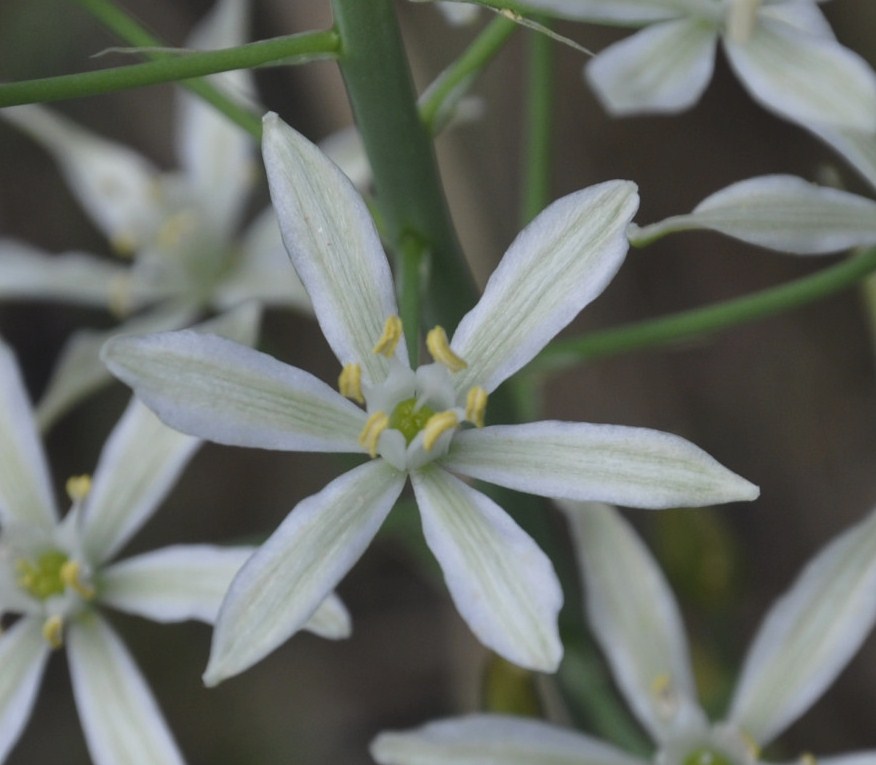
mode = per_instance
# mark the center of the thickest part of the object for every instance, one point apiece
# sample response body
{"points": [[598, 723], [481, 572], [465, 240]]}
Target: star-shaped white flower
{"points": [[803, 644], [57, 574], [425, 423], [180, 228], [783, 51]]}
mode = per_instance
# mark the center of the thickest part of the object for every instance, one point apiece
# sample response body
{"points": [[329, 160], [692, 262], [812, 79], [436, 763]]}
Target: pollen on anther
{"points": [[78, 487], [350, 382], [370, 435], [437, 425], [392, 333], [71, 576], [53, 631], [476, 406], [439, 348]]}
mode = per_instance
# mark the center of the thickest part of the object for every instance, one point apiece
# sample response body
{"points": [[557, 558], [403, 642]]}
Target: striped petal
{"points": [[857, 146], [334, 246], [503, 585], [281, 586], [556, 265], [809, 635], [636, 467]]}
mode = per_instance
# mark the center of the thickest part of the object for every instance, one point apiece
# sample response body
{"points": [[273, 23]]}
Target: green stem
{"points": [[540, 99], [412, 254], [689, 324], [458, 76], [399, 147]]}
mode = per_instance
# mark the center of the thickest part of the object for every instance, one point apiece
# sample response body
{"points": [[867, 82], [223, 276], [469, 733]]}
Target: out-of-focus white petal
{"points": [[501, 582], [809, 635], [174, 583], [330, 620], [801, 15], [139, 464], [555, 266], [633, 614], [345, 148], [804, 78], [334, 247], [621, 12], [23, 654], [262, 271], [781, 212], [857, 146], [79, 372], [25, 487], [636, 467], [280, 587], [856, 758], [121, 720], [216, 153], [663, 68], [494, 740], [231, 394], [114, 184], [459, 13]]}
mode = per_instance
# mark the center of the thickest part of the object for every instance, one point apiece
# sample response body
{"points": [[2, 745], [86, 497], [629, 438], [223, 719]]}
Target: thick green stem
{"points": [[701, 321], [539, 97], [412, 254], [399, 147]]}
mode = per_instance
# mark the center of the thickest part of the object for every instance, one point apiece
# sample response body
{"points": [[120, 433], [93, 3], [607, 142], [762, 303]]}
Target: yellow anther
{"points": [[370, 435], [476, 406], [661, 686], [392, 333], [78, 487], [436, 425], [436, 342], [53, 631], [71, 576], [173, 230], [752, 746], [807, 758], [119, 295], [350, 382]]}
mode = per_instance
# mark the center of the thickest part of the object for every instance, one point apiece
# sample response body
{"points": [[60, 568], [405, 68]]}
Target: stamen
{"points": [[350, 382], [807, 758], [71, 577], [174, 229], [392, 333], [119, 295], [664, 696], [476, 406], [78, 487], [124, 244], [370, 435], [439, 347], [438, 424], [741, 18], [53, 631], [752, 746]]}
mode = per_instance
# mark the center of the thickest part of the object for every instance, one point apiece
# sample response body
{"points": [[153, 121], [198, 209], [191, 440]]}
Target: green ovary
{"points": [[409, 420], [706, 757], [41, 579]]}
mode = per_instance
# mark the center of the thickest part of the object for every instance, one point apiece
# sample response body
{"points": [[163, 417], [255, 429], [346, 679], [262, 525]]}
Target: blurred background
{"points": [[787, 402]]}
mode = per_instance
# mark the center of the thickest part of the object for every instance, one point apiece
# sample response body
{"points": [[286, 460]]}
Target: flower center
{"points": [[706, 756], [409, 419], [41, 578]]}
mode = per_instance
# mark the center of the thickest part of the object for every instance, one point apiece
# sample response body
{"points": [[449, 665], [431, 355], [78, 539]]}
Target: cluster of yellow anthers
{"points": [[53, 572], [412, 416]]}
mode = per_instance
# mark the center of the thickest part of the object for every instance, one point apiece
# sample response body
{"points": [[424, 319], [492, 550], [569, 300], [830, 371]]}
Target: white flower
{"points": [[179, 228], [783, 51], [803, 644], [415, 420], [57, 573]]}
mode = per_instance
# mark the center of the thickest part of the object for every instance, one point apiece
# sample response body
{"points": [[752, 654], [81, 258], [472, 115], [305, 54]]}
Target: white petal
{"points": [[801, 15], [216, 153], [138, 466], [809, 635], [73, 277], [503, 585], [231, 394], [79, 372], [780, 212], [857, 146], [804, 78], [334, 246], [330, 620], [459, 13], [290, 575], [555, 266], [494, 740], [632, 12], [663, 68], [114, 184], [633, 615], [25, 487], [121, 720], [263, 271], [23, 654], [856, 758], [174, 583], [636, 467]]}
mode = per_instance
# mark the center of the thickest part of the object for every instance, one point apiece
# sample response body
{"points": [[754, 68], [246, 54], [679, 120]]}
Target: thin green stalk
{"points": [[653, 333], [399, 147], [539, 107], [458, 76]]}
